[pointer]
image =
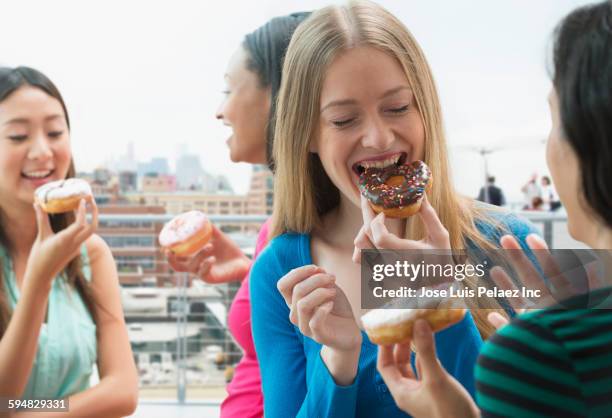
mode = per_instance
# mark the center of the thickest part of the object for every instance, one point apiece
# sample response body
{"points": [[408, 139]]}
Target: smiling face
{"points": [[34, 144], [245, 109], [368, 117]]}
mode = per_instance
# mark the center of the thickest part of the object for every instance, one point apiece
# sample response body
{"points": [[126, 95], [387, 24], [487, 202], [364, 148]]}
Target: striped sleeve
{"points": [[548, 363], [524, 371]]}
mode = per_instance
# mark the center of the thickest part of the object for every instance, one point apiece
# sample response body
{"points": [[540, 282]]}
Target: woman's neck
{"points": [[603, 239], [341, 225]]}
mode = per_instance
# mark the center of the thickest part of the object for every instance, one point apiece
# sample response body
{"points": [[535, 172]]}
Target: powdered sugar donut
{"points": [[186, 233], [392, 326], [62, 195]]}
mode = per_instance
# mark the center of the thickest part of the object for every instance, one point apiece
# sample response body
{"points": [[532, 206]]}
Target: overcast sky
{"points": [[152, 73]]}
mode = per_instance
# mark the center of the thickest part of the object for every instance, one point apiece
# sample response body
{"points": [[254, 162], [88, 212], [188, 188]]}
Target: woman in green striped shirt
{"points": [[555, 361]]}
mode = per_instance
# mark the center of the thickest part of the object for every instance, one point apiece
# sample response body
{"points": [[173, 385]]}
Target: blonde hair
{"points": [[303, 191]]}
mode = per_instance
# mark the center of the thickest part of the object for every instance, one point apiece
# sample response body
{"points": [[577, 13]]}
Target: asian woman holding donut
{"points": [[60, 306], [556, 361], [357, 93]]}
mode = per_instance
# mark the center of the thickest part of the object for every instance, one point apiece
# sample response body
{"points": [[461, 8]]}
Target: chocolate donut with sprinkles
{"points": [[396, 190]]}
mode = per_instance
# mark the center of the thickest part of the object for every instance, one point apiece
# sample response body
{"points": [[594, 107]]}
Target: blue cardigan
{"points": [[296, 382]]}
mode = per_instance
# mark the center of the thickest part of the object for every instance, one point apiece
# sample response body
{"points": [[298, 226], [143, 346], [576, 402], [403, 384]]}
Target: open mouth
{"points": [[37, 175], [395, 159]]}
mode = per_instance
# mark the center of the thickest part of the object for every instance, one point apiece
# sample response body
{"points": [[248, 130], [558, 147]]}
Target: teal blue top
{"points": [[67, 344], [296, 381]]}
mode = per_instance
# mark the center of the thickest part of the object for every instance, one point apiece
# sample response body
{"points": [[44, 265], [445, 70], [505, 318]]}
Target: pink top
{"points": [[245, 399]]}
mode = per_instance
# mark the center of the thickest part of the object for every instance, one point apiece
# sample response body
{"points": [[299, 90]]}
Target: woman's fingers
{"points": [[81, 213], [318, 319], [176, 262], [78, 231], [86, 229], [305, 308], [501, 278], [42, 220], [205, 267], [497, 320], [527, 272], [382, 238], [286, 284], [194, 263], [558, 284], [366, 211], [593, 280], [547, 262], [191, 264], [535, 242], [94, 214], [435, 229], [362, 242], [426, 352], [387, 367], [401, 355], [306, 287]]}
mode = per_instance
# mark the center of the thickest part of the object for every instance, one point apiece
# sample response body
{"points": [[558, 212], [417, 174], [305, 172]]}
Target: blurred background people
{"points": [[490, 193]]}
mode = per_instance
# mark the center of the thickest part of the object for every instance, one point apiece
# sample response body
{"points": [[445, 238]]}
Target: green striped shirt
{"points": [[550, 363]]}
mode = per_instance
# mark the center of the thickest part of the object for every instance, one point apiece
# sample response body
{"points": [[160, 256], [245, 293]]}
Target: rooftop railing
{"points": [[181, 343]]}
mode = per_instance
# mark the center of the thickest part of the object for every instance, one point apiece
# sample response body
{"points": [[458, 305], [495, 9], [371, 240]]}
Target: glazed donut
{"points": [[62, 195], [186, 233], [396, 190], [392, 326]]}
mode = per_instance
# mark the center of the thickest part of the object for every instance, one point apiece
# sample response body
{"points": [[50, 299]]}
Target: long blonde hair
{"points": [[303, 191]]}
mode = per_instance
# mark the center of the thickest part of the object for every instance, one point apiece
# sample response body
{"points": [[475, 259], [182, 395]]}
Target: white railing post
{"points": [[181, 341]]}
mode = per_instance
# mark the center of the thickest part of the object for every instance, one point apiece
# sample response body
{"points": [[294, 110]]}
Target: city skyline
{"points": [[159, 83]]}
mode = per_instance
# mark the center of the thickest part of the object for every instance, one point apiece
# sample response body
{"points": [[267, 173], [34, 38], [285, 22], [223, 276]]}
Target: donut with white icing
{"points": [[393, 326], [186, 233], [62, 195]]}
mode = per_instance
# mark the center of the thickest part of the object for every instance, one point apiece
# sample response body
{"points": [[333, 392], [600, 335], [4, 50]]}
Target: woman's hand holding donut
{"points": [[320, 309], [434, 393], [219, 261], [52, 251], [374, 232]]}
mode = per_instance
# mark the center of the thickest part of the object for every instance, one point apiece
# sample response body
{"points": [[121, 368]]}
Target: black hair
{"points": [[13, 78], [582, 59], [266, 48]]}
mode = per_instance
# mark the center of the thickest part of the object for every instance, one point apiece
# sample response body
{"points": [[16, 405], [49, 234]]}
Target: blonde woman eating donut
{"points": [[356, 89], [60, 307]]}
